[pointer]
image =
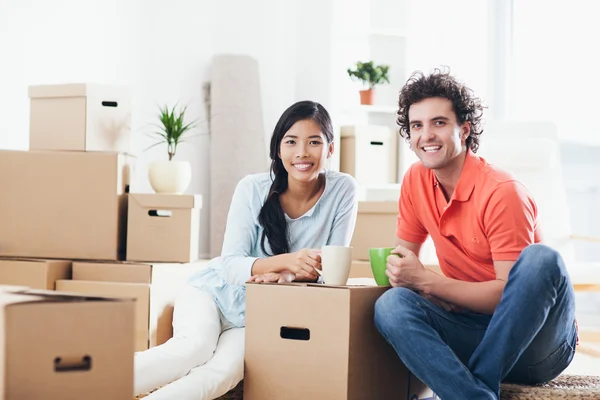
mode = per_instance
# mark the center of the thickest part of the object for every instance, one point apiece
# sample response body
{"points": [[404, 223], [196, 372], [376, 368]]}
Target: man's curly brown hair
{"points": [[465, 104]]}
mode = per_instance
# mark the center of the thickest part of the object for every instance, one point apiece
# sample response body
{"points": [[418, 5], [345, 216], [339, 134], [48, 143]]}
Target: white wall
{"points": [[163, 50], [59, 41]]}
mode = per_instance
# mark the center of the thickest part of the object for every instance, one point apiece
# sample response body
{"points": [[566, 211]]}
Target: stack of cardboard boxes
{"points": [[69, 222]]}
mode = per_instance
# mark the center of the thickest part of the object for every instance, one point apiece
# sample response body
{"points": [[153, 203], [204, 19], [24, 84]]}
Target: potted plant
{"points": [[170, 176], [371, 75]]}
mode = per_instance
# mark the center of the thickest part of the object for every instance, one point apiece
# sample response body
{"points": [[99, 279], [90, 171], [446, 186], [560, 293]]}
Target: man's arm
{"points": [[481, 297], [414, 247]]}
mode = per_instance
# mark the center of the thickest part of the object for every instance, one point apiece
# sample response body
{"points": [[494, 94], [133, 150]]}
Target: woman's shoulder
{"points": [[341, 182], [255, 183]]}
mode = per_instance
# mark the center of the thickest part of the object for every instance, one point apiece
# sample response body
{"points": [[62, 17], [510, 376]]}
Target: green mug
{"points": [[378, 258]]}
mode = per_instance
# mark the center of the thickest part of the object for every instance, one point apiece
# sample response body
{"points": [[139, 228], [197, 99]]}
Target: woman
{"points": [[276, 225]]}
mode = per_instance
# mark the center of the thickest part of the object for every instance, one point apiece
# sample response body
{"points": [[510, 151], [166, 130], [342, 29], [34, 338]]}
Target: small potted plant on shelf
{"points": [[371, 75], [170, 176]]}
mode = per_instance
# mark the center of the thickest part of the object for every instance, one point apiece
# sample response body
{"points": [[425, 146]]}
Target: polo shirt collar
{"points": [[466, 182]]}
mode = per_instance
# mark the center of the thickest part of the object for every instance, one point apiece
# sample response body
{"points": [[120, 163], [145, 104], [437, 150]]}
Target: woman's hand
{"points": [[304, 263], [271, 277]]}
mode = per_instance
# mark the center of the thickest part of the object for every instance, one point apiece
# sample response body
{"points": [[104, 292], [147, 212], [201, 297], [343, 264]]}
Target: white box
{"points": [[80, 117], [368, 152]]}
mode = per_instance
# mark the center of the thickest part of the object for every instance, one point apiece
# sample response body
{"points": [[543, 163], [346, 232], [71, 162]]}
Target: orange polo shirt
{"points": [[490, 216]]}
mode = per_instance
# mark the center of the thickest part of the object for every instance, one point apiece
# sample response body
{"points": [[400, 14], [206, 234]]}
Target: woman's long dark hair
{"points": [[272, 217]]}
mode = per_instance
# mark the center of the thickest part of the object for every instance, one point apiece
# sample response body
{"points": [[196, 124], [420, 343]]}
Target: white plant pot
{"points": [[171, 177]]}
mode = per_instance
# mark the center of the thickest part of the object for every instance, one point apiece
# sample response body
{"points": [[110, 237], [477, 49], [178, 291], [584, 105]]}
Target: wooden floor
{"points": [[586, 361]]}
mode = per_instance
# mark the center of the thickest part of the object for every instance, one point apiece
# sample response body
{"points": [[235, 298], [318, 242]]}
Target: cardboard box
{"points": [[155, 286], [65, 205], [361, 269], [331, 346], [369, 153], [57, 346], [138, 292], [36, 274], [80, 117], [163, 227], [375, 227]]}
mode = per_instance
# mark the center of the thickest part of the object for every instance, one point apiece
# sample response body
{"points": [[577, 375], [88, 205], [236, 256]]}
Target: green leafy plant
{"points": [[369, 73], [172, 128]]}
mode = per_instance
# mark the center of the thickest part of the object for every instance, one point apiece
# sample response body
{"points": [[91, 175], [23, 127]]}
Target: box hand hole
{"points": [[160, 213], [72, 364], [291, 333]]}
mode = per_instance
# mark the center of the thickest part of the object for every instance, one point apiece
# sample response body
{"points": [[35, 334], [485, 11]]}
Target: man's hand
{"points": [[404, 269]]}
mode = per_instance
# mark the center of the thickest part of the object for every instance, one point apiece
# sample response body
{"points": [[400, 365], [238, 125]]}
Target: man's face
{"points": [[435, 135]]}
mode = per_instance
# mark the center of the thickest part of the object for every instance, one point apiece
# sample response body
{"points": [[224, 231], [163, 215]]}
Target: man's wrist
{"points": [[428, 281]]}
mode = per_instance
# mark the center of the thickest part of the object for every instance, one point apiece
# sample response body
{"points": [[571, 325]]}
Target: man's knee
{"points": [[540, 260], [393, 309]]}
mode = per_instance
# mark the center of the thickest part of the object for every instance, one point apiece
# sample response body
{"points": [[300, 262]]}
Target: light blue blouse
{"points": [[329, 222]]}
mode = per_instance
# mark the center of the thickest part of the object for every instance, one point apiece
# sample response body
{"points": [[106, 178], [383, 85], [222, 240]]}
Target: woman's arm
{"points": [[241, 235], [345, 214], [302, 263], [241, 232]]}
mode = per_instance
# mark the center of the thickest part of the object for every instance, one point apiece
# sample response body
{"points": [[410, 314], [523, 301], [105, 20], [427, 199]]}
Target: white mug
{"points": [[335, 263]]}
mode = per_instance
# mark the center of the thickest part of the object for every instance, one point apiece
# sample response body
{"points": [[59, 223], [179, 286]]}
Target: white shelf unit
{"points": [[383, 47]]}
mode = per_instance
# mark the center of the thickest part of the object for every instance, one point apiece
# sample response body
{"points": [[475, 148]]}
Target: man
{"points": [[504, 310]]}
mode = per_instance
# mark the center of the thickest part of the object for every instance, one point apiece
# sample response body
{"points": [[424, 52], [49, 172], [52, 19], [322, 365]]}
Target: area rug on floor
{"points": [[237, 393], [563, 387]]}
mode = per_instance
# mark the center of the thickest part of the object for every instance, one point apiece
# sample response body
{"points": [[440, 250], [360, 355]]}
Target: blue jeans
{"points": [[530, 338]]}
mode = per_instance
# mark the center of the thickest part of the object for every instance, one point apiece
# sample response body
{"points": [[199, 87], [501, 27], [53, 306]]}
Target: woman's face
{"points": [[304, 151]]}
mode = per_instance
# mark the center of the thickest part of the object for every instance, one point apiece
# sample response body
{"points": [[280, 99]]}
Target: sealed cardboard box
{"points": [[369, 153], [375, 227], [80, 117], [58, 346], [331, 345], [163, 227], [65, 205], [33, 273], [136, 291], [361, 269], [154, 286]]}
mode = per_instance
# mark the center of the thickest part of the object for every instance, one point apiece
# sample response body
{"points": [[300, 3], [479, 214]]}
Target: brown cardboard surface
{"points": [[36, 274], [138, 291], [344, 358], [163, 228], [54, 346], [375, 227], [112, 272], [361, 269], [80, 117], [165, 282], [64, 205]]}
